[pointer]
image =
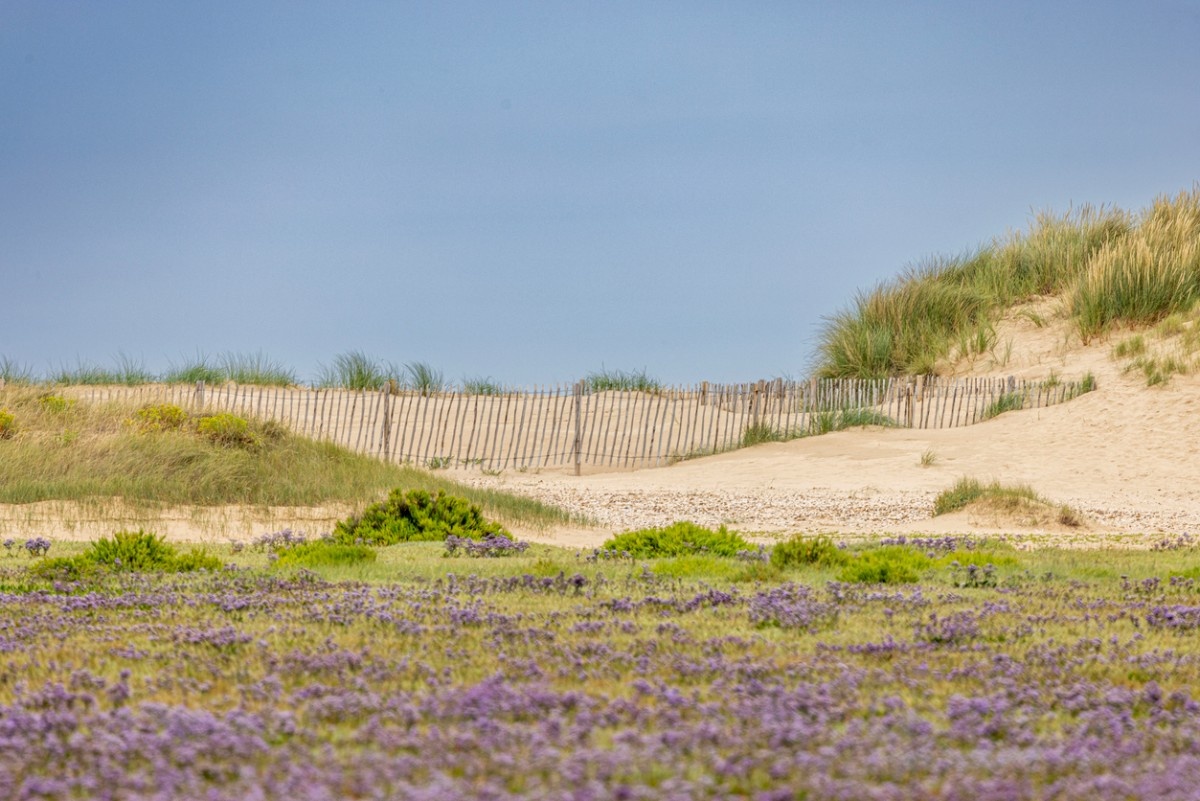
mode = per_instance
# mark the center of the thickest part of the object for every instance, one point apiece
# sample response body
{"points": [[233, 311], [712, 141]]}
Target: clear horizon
{"points": [[530, 192]]}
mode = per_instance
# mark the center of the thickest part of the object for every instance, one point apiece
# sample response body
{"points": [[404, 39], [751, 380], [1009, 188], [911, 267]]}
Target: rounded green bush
{"points": [[416, 516]]}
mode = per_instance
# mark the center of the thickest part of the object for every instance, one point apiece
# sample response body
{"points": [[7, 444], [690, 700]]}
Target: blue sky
{"points": [[531, 191]]}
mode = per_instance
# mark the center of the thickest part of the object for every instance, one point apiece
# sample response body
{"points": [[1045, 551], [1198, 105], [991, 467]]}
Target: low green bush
{"points": [[416, 516], [325, 553], [891, 564], [227, 429], [8, 424], [802, 551], [136, 551], [677, 539], [127, 552]]}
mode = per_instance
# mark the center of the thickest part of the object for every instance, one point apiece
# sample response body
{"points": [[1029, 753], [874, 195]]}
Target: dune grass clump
{"points": [[417, 516], [678, 539], [481, 386], [14, 372], [759, 433], [424, 378], [242, 368], [1008, 402], [356, 370], [949, 306], [968, 490], [1009, 499], [622, 381], [1142, 278]]}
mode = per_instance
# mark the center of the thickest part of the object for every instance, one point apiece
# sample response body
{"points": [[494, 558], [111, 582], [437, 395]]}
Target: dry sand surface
{"points": [[1126, 457]]}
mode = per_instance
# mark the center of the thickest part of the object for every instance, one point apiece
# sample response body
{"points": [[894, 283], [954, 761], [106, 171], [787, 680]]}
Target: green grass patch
{"points": [[678, 539], [324, 553], [698, 566], [1008, 402]]}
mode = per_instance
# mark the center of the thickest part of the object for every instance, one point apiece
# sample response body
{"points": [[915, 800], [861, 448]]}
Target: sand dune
{"points": [[1125, 456]]}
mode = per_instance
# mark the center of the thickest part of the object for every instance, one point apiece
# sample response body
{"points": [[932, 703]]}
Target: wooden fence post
{"points": [[578, 428], [387, 420], [200, 394]]}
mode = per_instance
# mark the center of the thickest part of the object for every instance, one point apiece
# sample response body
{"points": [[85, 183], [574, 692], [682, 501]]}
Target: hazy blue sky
{"points": [[529, 191]]}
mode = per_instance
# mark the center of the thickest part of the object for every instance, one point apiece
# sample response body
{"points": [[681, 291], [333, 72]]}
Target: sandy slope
{"points": [[1126, 456]]}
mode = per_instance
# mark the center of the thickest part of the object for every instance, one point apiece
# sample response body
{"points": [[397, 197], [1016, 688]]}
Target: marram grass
{"points": [[1112, 267]]}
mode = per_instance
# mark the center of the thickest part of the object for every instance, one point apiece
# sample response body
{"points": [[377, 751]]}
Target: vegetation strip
{"points": [[553, 675]]}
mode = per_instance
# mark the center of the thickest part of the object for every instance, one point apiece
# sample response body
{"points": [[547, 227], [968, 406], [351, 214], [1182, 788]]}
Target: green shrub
{"points": [[892, 564], [8, 424], [161, 417], [677, 539], [324, 553], [804, 551], [415, 516], [136, 551], [227, 429], [126, 552]]}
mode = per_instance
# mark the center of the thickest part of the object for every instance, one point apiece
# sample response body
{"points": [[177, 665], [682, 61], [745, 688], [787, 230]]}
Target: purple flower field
{"points": [[611, 685]]}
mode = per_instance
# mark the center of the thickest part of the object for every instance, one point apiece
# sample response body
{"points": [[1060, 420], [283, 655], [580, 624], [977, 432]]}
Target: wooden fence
{"points": [[569, 426]]}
